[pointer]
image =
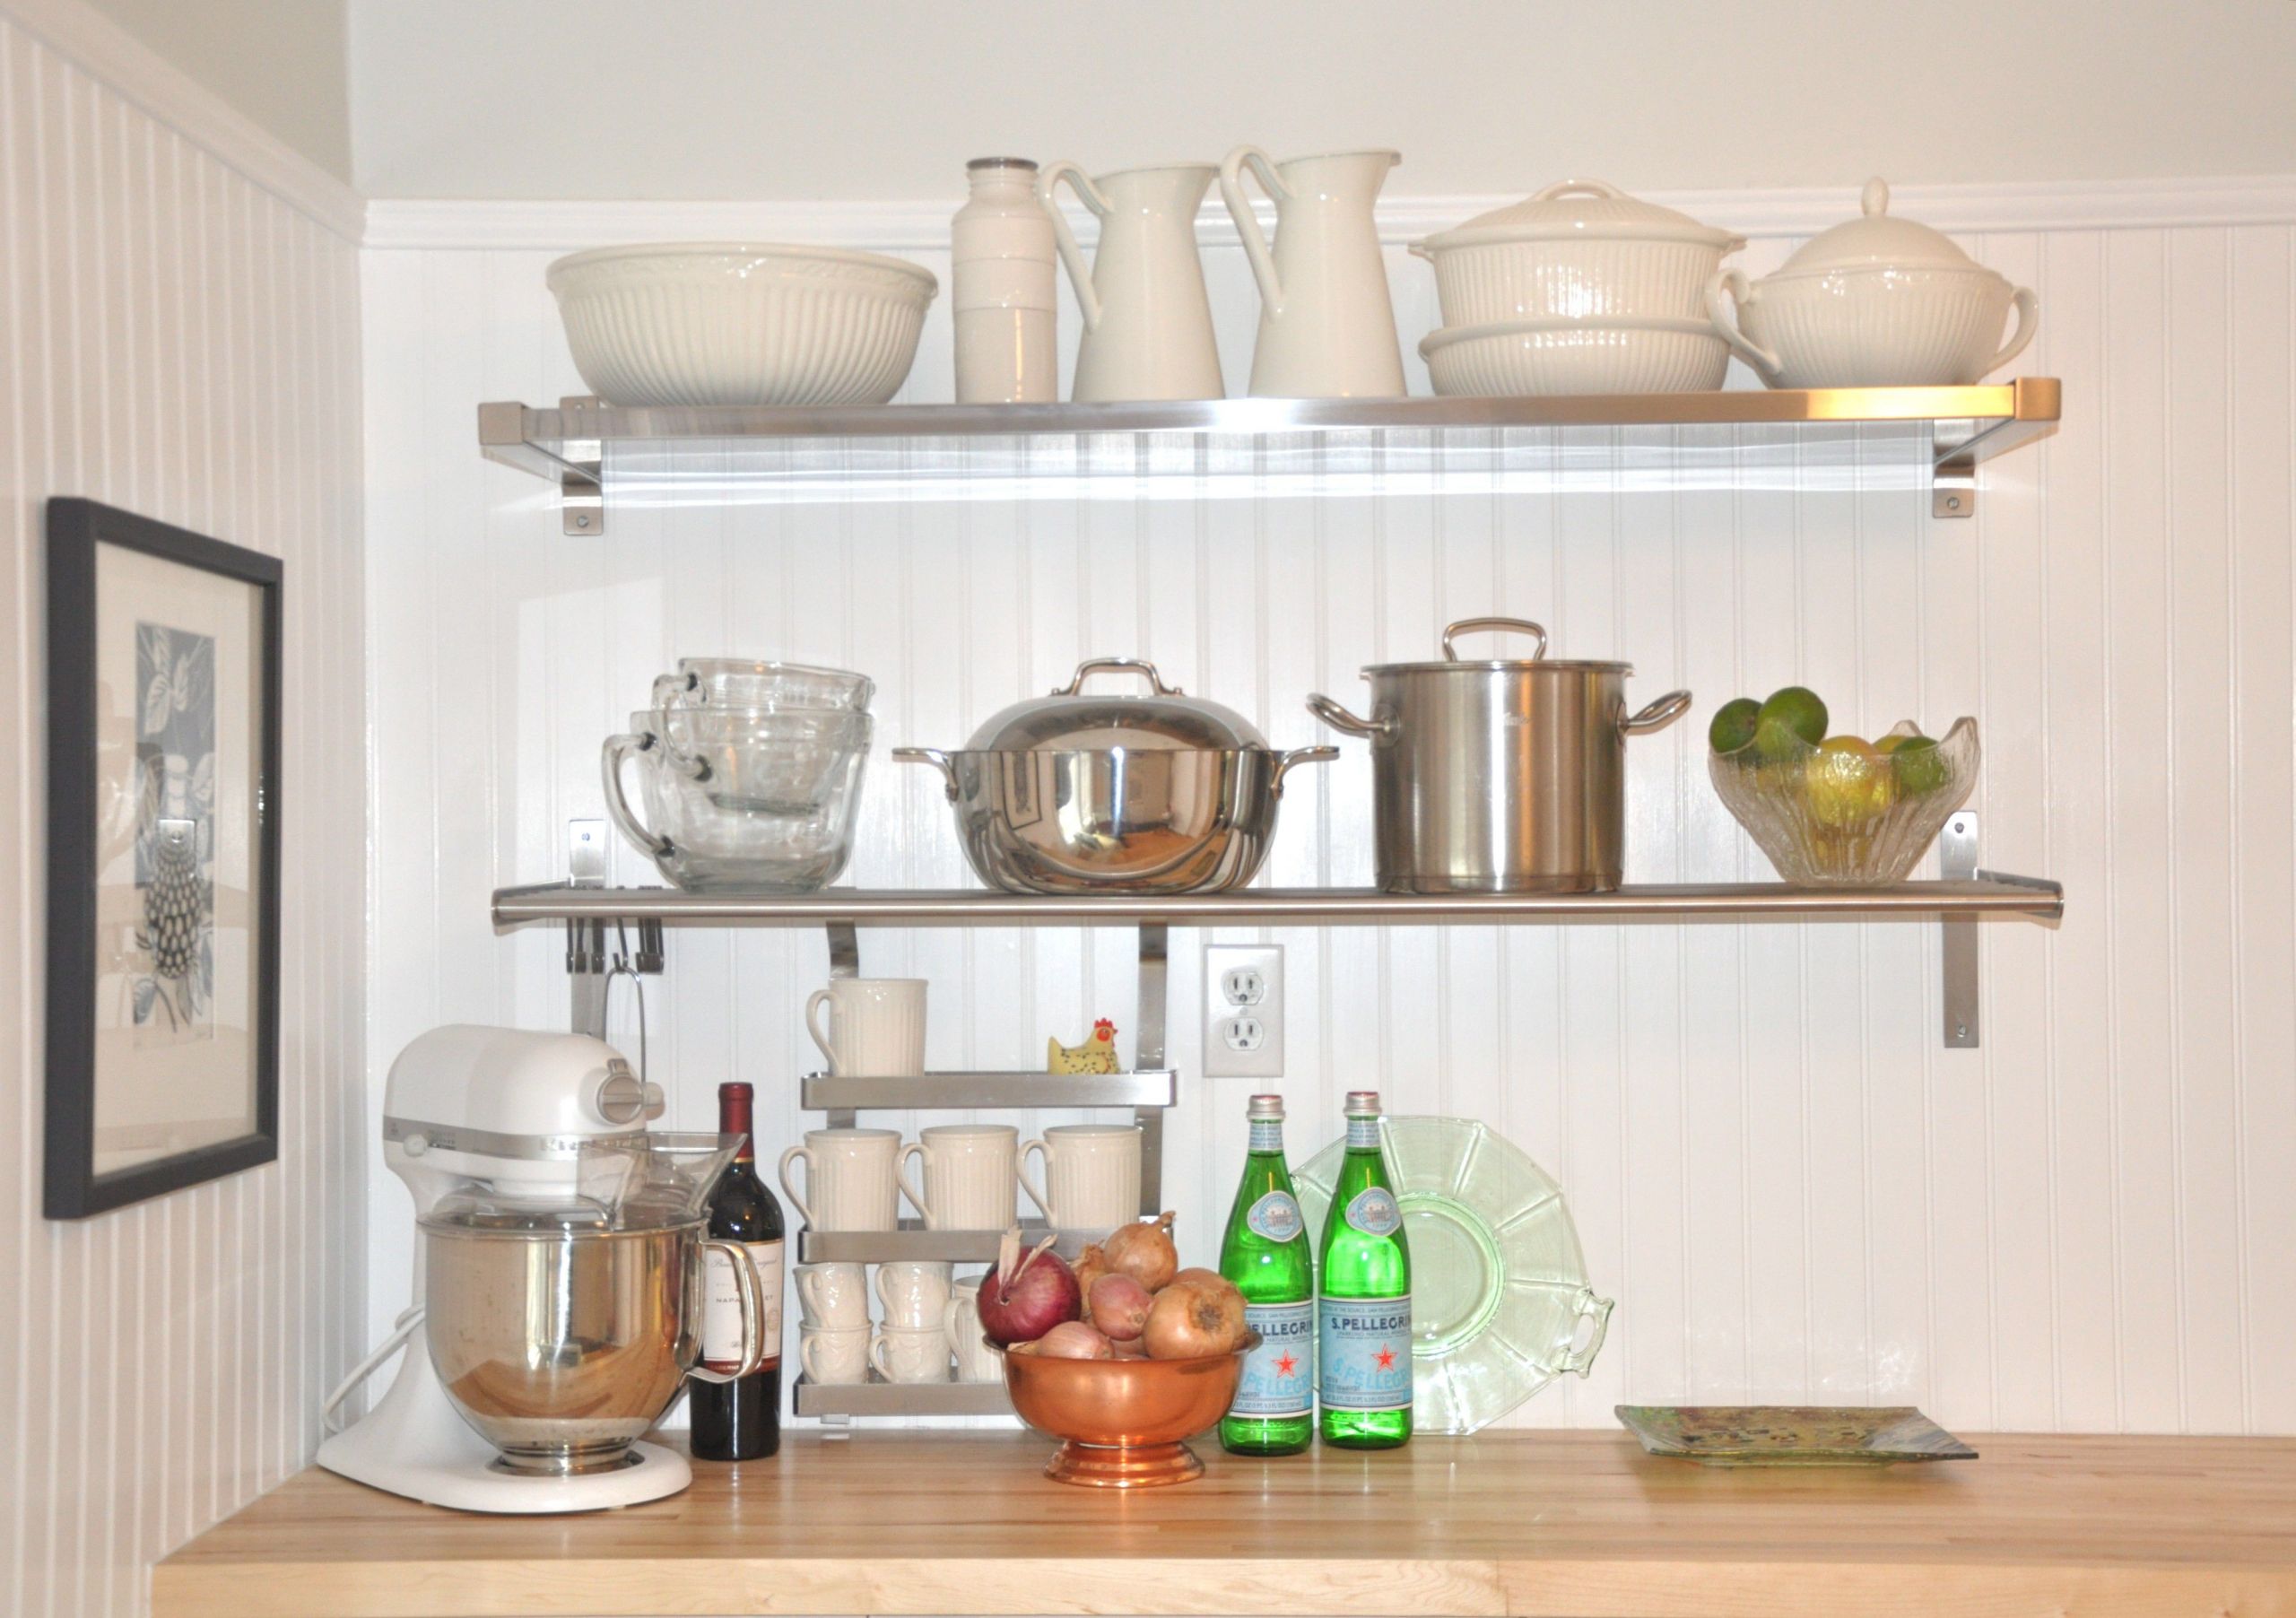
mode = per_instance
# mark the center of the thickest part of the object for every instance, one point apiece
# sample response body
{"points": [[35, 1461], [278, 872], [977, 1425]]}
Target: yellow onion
{"points": [[1143, 1252], [1192, 1319]]}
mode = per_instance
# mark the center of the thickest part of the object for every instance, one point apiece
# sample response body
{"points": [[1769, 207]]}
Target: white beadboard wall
{"points": [[1793, 1190], [176, 340]]}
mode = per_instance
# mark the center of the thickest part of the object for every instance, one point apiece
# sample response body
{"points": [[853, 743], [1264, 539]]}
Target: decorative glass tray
{"points": [[1792, 1435]]}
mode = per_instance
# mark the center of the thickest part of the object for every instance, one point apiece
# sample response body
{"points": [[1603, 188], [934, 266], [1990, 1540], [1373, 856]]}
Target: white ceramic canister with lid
{"points": [[1004, 288]]}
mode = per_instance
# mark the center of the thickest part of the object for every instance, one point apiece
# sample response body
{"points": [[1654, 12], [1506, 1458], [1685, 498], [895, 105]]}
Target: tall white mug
{"points": [[876, 1025], [968, 1180], [975, 1361], [1092, 1175], [850, 1182]]}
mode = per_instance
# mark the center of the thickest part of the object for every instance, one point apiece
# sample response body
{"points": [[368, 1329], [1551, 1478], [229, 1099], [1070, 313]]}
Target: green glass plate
{"points": [[1792, 1435], [1500, 1304]]}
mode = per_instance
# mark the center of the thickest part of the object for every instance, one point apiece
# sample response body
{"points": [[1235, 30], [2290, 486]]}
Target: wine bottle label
{"points": [[721, 1310], [1363, 1352], [1275, 1217], [1278, 1379], [1373, 1211]]}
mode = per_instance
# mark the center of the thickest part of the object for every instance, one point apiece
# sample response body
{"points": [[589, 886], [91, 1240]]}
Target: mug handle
{"points": [[877, 1353], [1733, 282], [2029, 322], [1087, 299], [1240, 209], [813, 1002], [794, 1154], [753, 1344], [915, 1198], [1021, 1174], [805, 1360]]}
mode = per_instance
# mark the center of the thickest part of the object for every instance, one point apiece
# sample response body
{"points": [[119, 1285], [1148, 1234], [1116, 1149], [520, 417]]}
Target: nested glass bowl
{"points": [[1843, 819], [740, 803]]}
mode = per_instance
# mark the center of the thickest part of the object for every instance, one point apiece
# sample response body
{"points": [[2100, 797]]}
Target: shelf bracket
{"points": [[1952, 469], [1148, 1053], [1957, 854], [844, 962], [581, 485]]}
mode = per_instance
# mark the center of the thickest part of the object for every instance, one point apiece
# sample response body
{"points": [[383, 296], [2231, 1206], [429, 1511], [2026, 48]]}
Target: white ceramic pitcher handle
{"points": [[1088, 300], [753, 1299], [1021, 1174], [793, 1155], [915, 1198], [813, 1002], [1240, 209], [2029, 321], [1733, 283]]}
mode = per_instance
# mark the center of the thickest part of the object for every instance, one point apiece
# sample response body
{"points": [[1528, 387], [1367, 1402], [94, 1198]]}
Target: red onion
{"points": [[1023, 1299]]}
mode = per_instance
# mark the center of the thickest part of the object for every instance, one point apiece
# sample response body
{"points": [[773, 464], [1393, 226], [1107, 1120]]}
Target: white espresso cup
{"points": [[849, 1184], [834, 1356], [833, 1296], [912, 1292], [1092, 1175], [876, 1025], [910, 1356], [969, 1175], [961, 1321]]}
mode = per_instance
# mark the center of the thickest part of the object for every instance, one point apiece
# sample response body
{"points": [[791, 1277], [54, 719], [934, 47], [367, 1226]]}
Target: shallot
{"points": [[1023, 1298], [1118, 1305], [1075, 1340]]}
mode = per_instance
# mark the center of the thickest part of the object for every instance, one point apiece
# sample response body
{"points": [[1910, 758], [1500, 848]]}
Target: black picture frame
{"points": [[76, 531]]}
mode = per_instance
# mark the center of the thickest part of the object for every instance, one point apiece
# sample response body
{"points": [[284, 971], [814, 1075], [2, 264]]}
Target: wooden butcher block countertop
{"points": [[1553, 1523]]}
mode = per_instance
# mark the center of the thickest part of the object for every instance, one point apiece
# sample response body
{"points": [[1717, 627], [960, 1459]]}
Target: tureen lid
{"points": [[1589, 209], [1162, 719], [1878, 239]]}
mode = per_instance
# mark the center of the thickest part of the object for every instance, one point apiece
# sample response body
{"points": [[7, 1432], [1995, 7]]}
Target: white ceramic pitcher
{"points": [[1147, 318], [1326, 324]]}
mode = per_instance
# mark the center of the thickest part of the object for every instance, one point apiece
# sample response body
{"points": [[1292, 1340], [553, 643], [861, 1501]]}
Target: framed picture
{"points": [[163, 689]]}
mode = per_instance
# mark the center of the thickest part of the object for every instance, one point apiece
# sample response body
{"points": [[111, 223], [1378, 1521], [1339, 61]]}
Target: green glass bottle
{"points": [[1363, 1317], [1265, 1254]]}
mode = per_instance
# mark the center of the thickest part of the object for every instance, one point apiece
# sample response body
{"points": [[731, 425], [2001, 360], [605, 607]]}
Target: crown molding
{"points": [[911, 225], [133, 70]]}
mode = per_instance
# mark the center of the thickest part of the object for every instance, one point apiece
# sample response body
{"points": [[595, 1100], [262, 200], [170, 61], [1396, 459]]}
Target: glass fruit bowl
{"points": [[1846, 813]]}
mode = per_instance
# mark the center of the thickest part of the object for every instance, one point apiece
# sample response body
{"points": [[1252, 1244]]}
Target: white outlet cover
{"points": [[1243, 992]]}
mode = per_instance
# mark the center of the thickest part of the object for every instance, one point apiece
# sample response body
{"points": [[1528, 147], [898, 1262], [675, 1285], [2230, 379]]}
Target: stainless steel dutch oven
{"points": [[1504, 777], [1139, 794]]}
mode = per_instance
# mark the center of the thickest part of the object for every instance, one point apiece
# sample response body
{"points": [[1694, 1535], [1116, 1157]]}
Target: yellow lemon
{"points": [[1848, 782]]}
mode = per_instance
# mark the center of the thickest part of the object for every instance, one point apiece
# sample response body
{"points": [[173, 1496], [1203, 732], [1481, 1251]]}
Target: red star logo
{"points": [[1387, 1359], [1286, 1366]]}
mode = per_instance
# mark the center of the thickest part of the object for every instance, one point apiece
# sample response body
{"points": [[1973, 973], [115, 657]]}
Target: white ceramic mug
{"points": [[910, 1356], [969, 1175], [833, 1295], [960, 1322], [1092, 1175], [911, 1293], [876, 1025], [834, 1356], [850, 1182]]}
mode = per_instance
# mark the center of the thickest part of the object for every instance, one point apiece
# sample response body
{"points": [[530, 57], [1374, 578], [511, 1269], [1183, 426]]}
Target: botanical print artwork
{"points": [[174, 985]]}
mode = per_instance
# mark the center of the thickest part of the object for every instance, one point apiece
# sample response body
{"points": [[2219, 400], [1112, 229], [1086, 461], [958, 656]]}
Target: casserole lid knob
{"points": [[1878, 237]]}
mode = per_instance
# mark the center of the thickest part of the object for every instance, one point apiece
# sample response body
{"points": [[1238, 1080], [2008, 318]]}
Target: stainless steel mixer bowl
{"points": [[561, 1346]]}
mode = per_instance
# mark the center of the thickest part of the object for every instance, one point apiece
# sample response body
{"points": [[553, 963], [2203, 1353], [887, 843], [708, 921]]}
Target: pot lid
{"points": [[1588, 209], [1452, 663], [1162, 719], [1878, 240]]}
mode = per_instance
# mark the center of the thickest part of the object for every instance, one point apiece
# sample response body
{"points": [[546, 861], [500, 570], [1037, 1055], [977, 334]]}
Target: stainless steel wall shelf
{"points": [[827, 1092], [587, 447], [847, 1399]]}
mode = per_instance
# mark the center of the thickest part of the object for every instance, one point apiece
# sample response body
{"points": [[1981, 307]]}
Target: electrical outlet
{"points": [[1243, 1010]]}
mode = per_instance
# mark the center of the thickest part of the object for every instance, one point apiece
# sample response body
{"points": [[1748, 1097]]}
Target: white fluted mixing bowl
{"points": [[741, 323]]}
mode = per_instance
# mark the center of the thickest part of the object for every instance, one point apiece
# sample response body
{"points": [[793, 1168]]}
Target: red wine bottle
{"points": [[741, 1420]]}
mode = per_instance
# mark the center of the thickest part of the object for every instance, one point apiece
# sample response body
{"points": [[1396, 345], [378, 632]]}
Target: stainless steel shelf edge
{"points": [[1987, 894], [899, 1398], [913, 1240], [932, 1091]]}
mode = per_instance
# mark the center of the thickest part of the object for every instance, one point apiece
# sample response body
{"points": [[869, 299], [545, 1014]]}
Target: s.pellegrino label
{"points": [[1364, 1348], [1279, 1375], [1264, 1251]]}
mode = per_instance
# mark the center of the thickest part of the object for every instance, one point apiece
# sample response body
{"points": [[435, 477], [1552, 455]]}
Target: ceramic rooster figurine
{"points": [[1095, 1055]]}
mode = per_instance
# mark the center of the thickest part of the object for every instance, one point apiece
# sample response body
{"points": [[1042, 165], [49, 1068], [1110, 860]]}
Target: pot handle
{"points": [[1285, 762], [1660, 713], [2029, 321], [1240, 209], [1114, 666], [1332, 714], [1590, 1319], [1469, 626], [1733, 282], [934, 757], [753, 1344], [1088, 297]]}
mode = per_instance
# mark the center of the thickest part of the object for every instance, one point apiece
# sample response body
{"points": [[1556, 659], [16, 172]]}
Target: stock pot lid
{"points": [[1878, 240], [1588, 209], [1162, 719]]}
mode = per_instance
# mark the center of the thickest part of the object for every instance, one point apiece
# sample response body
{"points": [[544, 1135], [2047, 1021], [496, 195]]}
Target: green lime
{"points": [[1921, 768], [1848, 782], [1792, 719], [1733, 724]]}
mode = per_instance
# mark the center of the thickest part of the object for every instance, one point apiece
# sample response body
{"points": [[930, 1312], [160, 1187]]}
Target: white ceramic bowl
{"points": [[1875, 326], [741, 323], [1514, 358]]}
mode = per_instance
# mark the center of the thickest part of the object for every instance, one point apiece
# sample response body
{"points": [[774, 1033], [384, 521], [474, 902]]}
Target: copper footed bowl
{"points": [[1123, 1421]]}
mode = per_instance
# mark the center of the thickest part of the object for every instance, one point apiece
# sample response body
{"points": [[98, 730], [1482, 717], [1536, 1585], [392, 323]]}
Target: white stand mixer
{"points": [[514, 1110]]}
